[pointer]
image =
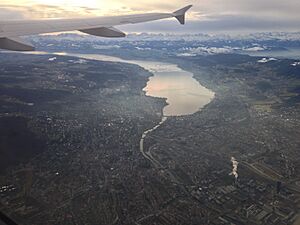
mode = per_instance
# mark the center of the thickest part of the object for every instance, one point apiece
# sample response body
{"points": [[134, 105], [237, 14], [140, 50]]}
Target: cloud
{"points": [[43, 11], [206, 15], [217, 24], [10, 13]]}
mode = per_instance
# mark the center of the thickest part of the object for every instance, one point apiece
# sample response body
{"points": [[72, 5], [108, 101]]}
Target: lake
{"points": [[184, 94]]}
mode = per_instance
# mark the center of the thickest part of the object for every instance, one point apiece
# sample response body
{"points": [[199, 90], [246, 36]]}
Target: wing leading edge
{"points": [[99, 26]]}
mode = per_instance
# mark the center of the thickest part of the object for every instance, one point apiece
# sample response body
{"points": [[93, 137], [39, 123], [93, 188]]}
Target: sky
{"points": [[206, 16]]}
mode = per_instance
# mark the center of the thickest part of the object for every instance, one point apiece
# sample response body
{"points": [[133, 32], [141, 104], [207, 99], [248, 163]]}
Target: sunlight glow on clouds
{"points": [[66, 8], [205, 16]]}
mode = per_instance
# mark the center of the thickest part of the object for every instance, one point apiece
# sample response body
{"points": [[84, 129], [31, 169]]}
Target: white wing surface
{"points": [[10, 31]]}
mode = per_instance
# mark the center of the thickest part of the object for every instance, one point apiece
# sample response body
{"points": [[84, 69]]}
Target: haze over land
{"points": [[86, 118]]}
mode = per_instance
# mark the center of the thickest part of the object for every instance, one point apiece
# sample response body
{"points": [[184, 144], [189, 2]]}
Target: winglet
{"points": [[180, 14]]}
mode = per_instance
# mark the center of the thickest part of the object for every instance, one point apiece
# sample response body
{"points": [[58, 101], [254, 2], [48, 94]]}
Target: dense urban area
{"points": [[71, 128]]}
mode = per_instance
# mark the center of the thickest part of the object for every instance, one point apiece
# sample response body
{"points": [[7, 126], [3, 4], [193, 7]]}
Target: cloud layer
{"points": [[206, 16]]}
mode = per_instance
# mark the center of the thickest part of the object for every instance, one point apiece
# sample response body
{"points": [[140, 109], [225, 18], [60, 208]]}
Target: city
{"points": [[233, 162]]}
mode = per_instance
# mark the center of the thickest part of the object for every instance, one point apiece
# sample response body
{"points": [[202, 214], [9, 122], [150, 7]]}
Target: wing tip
{"points": [[180, 14]]}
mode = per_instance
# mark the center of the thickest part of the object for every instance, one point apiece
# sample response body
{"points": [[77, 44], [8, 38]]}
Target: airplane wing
{"points": [[10, 31]]}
